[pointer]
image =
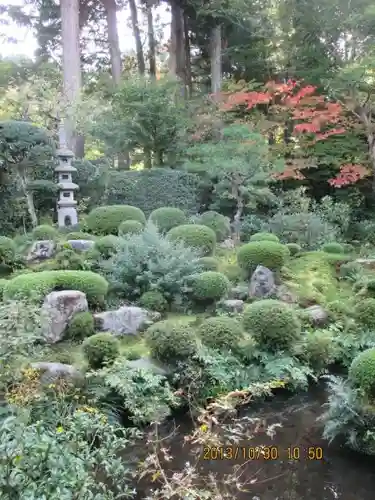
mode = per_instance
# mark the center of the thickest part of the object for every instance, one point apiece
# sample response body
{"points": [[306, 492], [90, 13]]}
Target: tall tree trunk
{"points": [[137, 37], [151, 39], [188, 82], [177, 50], [113, 39], [71, 68], [215, 56]]}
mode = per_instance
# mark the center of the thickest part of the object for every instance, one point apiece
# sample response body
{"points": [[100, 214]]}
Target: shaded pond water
{"points": [[338, 474]]}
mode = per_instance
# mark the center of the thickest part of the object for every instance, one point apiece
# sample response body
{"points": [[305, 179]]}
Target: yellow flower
{"points": [[17, 459], [59, 429], [204, 427]]}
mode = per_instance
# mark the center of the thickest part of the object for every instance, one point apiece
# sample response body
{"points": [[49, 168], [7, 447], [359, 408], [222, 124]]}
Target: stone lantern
{"points": [[66, 204]]}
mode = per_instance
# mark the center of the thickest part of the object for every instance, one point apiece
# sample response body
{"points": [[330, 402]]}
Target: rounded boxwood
{"points": [[362, 371], [154, 301], [209, 263], [333, 248], [68, 259], [221, 332], [219, 223], [130, 227], [170, 341], [272, 323], [196, 236], [100, 348], [210, 286], [265, 253], [107, 219], [78, 235], [38, 285], [166, 218], [7, 251], [44, 232], [294, 248], [81, 326], [264, 237], [107, 245], [364, 312]]}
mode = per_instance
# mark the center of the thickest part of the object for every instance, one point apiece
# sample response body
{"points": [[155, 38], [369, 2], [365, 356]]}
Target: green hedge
{"points": [[107, 219], [39, 284]]}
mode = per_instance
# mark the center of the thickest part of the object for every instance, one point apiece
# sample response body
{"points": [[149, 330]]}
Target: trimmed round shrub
{"points": [[130, 227], [166, 218], [333, 248], [196, 236], [219, 223], [107, 245], [365, 312], [319, 349], [77, 235], [362, 371], [2, 286], [106, 220], [169, 341], [293, 248], [45, 232], [100, 348], [265, 253], [7, 251], [81, 326], [209, 263], [210, 286], [220, 332], [233, 272], [38, 285], [272, 323], [154, 301], [264, 237], [68, 259]]}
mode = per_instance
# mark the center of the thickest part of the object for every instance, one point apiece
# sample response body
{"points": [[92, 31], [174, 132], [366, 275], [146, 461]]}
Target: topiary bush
{"points": [[209, 263], [7, 251], [221, 332], [45, 232], [195, 236], [130, 227], [219, 223], [333, 247], [107, 245], [272, 323], [169, 341], [362, 371], [166, 218], [68, 259], [107, 219], [79, 235], [266, 253], [100, 348], [264, 237], [364, 312], [154, 301], [38, 285], [209, 286], [81, 326], [293, 248], [319, 349]]}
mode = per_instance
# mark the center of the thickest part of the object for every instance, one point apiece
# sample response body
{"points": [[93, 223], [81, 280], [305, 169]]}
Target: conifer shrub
{"points": [[333, 247], [44, 232], [154, 301], [130, 227], [166, 218], [107, 219], [362, 371], [365, 312], [107, 245], [272, 323], [209, 263], [264, 237], [221, 332], [219, 223], [266, 253], [196, 236], [100, 348], [293, 248], [209, 286], [81, 326], [7, 251], [170, 341]]}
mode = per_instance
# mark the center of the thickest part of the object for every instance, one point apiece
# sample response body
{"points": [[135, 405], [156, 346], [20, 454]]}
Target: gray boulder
{"points": [[53, 371], [41, 250], [127, 320], [81, 245], [239, 292], [228, 244], [57, 311], [317, 315], [233, 305], [262, 283]]}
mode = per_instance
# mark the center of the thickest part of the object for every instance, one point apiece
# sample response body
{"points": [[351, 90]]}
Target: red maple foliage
{"points": [[316, 117]]}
